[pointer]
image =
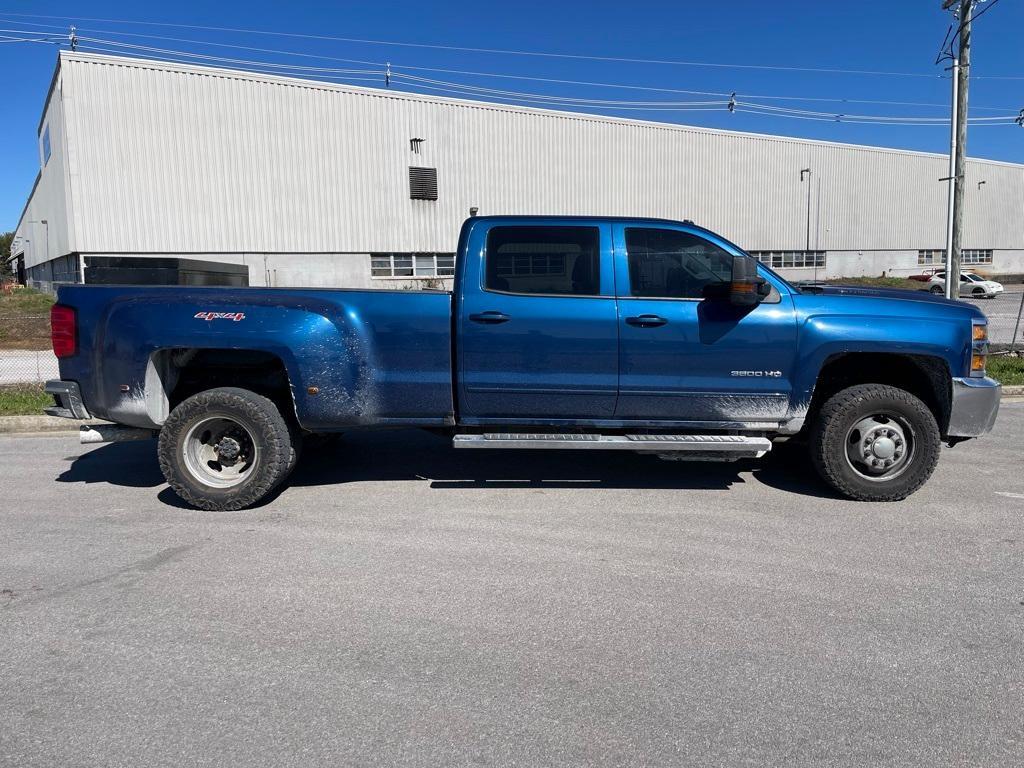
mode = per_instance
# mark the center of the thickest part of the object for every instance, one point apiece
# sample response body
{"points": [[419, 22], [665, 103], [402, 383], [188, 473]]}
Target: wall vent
{"points": [[423, 183]]}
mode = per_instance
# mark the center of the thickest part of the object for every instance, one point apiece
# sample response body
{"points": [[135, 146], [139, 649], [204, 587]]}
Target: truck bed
{"points": [[352, 357]]}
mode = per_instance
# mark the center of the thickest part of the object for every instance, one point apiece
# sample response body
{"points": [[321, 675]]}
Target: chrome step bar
{"points": [[700, 444]]}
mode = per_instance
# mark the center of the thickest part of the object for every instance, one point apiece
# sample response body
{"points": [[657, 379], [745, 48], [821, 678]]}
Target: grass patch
{"points": [[23, 400], [1006, 369], [25, 301], [25, 319]]}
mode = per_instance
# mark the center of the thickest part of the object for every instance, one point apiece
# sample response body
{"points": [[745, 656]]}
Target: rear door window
{"points": [[552, 261]]}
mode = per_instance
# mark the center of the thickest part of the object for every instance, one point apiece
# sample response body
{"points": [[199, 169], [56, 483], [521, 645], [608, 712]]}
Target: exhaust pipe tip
{"points": [[112, 433]]}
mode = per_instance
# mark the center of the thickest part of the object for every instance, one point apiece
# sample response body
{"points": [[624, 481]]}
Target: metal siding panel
{"points": [[49, 199]]}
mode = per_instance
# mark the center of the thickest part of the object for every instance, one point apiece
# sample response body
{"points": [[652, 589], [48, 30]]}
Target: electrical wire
{"points": [[597, 102], [462, 89], [923, 120], [475, 73], [5, 39], [984, 10], [481, 92], [469, 49], [947, 53], [841, 119], [942, 54], [497, 51], [304, 68], [262, 68]]}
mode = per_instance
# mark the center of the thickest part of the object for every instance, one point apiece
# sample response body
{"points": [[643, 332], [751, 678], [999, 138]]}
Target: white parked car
{"points": [[971, 285]]}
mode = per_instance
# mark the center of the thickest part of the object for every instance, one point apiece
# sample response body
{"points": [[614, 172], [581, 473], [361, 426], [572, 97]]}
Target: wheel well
{"points": [[184, 372], [924, 376]]}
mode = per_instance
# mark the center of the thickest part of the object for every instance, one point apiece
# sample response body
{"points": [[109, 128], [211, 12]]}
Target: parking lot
{"points": [[1002, 314], [400, 603]]}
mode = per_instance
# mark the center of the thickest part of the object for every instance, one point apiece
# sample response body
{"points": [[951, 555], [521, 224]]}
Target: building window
{"points": [[976, 256], [787, 259], [412, 264], [422, 183], [557, 261], [46, 145], [967, 256]]}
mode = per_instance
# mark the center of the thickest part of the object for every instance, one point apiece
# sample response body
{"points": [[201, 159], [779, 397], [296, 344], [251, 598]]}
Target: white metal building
{"points": [[205, 174]]}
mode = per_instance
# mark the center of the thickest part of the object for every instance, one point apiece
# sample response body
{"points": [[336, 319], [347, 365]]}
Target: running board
{"points": [[724, 445]]}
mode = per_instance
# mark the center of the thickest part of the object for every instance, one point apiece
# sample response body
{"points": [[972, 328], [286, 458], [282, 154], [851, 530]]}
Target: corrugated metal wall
{"points": [[49, 199], [167, 157]]}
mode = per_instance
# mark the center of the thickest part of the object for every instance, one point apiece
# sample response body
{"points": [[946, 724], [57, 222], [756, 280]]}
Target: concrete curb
{"points": [[13, 425]]}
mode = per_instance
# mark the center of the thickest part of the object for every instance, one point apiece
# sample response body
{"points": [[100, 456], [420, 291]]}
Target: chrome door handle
{"points": [[491, 318], [646, 321]]}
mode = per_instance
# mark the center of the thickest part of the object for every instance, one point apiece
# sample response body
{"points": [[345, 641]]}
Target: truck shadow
{"points": [[416, 455]]}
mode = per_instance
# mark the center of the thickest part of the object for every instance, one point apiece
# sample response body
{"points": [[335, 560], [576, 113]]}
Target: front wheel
{"points": [[225, 449], [873, 442], [938, 290]]}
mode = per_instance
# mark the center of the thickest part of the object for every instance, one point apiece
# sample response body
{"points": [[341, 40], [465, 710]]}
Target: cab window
{"points": [[554, 261], [668, 263]]}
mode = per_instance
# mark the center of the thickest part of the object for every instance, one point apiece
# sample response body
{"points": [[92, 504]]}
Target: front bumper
{"points": [[68, 400], [974, 407]]}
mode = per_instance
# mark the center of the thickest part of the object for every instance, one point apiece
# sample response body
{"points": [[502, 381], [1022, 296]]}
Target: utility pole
{"points": [[962, 75], [951, 179]]}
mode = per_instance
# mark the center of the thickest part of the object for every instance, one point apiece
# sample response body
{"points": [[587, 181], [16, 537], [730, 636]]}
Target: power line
{"points": [[465, 89], [946, 54], [497, 51], [547, 100], [838, 119], [983, 11], [851, 118], [483, 74], [5, 39], [470, 49], [498, 75]]}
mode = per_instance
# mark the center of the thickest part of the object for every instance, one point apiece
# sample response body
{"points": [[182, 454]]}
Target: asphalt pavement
{"points": [[401, 603]]}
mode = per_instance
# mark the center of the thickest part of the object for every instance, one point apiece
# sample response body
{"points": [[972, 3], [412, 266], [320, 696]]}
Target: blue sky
{"points": [[825, 34]]}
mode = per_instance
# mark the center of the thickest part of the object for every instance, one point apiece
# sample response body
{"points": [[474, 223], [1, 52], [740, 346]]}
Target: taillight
{"points": [[63, 333]]}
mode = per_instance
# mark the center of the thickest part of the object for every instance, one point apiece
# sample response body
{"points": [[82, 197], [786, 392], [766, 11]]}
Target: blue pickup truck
{"points": [[570, 333]]}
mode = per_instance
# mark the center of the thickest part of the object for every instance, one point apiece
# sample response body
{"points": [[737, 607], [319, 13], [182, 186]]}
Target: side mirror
{"points": [[747, 288]]}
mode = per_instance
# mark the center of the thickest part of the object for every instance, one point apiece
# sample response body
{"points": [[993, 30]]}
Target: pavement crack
{"points": [[138, 567]]}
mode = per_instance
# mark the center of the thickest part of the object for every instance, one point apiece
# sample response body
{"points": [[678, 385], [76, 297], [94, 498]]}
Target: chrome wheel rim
{"points": [[880, 447], [220, 452]]}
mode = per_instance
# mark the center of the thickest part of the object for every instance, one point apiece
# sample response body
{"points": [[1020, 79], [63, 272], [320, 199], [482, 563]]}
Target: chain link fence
{"points": [[1005, 315], [25, 353]]}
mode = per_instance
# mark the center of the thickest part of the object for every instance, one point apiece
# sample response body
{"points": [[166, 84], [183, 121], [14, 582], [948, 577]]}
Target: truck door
{"points": [[685, 356], [537, 324]]}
